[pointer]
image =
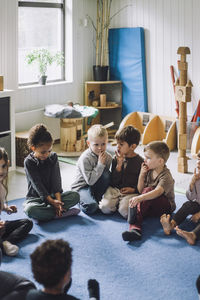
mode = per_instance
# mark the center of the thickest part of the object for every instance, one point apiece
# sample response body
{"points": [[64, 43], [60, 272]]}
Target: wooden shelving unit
{"points": [[7, 125], [113, 110]]}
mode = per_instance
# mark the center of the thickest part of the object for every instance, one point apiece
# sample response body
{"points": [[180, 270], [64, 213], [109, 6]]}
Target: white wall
{"points": [[168, 24]]}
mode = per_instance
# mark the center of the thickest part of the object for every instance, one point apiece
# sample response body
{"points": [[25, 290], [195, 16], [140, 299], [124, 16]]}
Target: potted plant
{"points": [[44, 58], [100, 70]]}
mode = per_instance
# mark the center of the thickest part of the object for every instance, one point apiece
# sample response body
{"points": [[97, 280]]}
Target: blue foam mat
{"points": [[127, 63]]}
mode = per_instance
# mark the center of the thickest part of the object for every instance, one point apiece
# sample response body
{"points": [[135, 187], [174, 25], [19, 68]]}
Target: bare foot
{"points": [[189, 236], [166, 224], [196, 217]]}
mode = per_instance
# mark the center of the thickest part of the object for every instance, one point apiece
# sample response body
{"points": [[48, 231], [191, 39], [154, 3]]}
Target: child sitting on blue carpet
{"points": [[125, 171], [10, 231], [156, 186], [51, 266], [45, 199], [190, 207], [92, 170]]}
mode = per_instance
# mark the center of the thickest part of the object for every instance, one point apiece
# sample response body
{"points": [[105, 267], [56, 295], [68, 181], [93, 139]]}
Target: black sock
{"points": [[198, 284], [93, 289], [132, 214]]}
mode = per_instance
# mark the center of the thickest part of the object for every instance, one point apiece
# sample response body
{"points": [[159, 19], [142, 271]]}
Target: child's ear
{"points": [[88, 143], [133, 146], [32, 148]]}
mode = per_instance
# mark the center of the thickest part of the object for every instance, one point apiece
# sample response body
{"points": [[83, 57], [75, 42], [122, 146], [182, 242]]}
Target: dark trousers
{"points": [[14, 287], [150, 208], [188, 208], [197, 231], [15, 231], [91, 195]]}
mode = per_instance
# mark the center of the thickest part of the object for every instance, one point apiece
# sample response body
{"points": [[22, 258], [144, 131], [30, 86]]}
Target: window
{"points": [[41, 25]]}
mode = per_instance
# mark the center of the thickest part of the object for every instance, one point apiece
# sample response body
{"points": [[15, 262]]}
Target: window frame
{"points": [[63, 22]]}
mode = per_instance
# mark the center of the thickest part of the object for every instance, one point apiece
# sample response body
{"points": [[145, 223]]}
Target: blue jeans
{"points": [[91, 195]]}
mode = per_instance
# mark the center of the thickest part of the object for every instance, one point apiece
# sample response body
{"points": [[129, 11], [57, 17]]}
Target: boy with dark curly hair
{"points": [[51, 267]]}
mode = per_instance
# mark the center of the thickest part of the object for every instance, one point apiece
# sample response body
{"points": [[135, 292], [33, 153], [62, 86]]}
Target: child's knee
{"points": [[31, 211], [123, 210], [105, 206], [29, 225]]}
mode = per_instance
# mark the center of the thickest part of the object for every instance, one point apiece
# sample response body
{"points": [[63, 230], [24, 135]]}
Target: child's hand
{"points": [[2, 228], [102, 157], [144, 169], [2, 224], [58, 207], [127, 190], [11, 209], [195, 176], [196, 217], [134, 201], [119, 157]]}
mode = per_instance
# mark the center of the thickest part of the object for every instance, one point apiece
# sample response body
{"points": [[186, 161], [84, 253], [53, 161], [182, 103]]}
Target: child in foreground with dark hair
{"points": [[11, 232], [190, 207], [156, 188], [125, 171], [51, 266], [45, 199]]}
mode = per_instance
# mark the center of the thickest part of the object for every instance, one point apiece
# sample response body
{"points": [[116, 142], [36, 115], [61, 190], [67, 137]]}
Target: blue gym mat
{"points": [[127, 63]]}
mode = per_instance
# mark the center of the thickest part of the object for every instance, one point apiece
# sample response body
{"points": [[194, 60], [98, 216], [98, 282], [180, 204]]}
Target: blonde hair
{"points": [[4, 156], [159, 148], [97, 130]]}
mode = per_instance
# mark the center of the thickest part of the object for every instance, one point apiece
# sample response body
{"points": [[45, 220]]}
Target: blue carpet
{"points": [[158, 267]]}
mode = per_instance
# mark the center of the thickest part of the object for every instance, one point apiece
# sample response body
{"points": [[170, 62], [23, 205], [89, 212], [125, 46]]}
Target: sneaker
{"points": [[133, 235], [93, 289], [70, 212], [10, 249]]}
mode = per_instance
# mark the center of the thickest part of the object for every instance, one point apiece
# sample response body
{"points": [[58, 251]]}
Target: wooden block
{"points": [[183, 50], [102, 100], [182, 141], [182, 65], [183, 93], [1, 83], [182, 164]]}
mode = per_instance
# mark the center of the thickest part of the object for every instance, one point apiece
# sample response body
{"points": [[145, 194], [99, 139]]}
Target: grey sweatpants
{"points": [[38, 209]]}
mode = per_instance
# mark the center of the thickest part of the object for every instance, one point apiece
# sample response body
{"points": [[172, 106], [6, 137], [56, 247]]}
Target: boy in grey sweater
{"points": [[92, 171]]}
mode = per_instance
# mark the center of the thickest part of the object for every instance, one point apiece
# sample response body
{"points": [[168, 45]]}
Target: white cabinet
{"points": [[7, 124]]}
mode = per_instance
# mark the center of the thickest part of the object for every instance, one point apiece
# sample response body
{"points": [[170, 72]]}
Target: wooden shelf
{"points": [[108, 107], [103, 82], [113, 92]]}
